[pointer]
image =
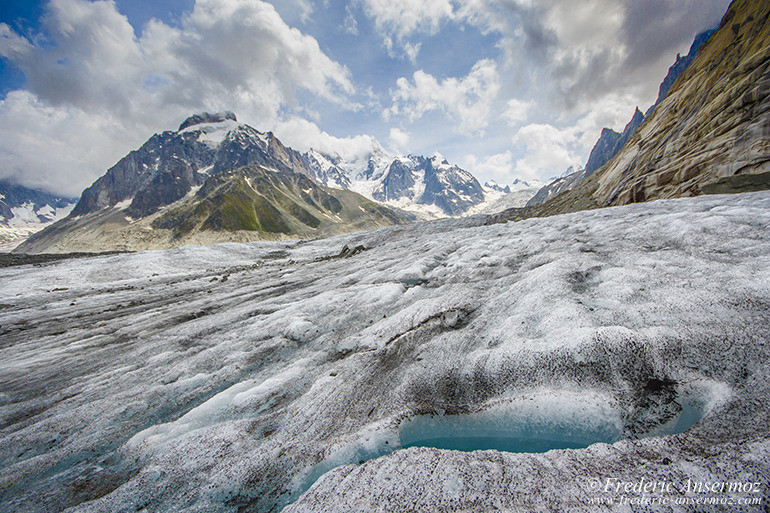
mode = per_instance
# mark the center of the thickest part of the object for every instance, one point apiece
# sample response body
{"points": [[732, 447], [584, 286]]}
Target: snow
{"points": [[26, 220], [120, 205], [234, 376], [355, 169], [25, 216]]}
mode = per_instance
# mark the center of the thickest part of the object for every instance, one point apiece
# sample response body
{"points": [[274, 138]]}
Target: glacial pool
{"points": [[520, 426]]}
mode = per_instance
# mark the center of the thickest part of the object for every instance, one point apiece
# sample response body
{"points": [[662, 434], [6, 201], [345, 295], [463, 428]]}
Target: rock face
{"points": [[236, 376], [714, 123], [197, 185], [608, 145], [397, 183], [607, 148], [255, 199], [604, 149], [611, 142], [450, 188], [39, 203], [139, 171]]}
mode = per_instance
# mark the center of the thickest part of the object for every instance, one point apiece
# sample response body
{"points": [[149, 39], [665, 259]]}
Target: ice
{"points": [[240, 375]]}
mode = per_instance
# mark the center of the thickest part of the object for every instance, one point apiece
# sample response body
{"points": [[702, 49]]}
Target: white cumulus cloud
{"points": [[399, 140], [498, 166], [467, 99], [548, 150]]}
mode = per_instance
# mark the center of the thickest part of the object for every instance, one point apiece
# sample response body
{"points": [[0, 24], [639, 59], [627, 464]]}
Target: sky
{"points": [[503, 88]]}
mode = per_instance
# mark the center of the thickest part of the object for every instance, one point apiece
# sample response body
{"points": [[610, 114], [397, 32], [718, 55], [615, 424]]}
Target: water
{"points": [[498, 443], [563, 430]]}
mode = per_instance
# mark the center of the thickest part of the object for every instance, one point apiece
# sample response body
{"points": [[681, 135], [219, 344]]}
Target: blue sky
{"points": [[504, 88]]}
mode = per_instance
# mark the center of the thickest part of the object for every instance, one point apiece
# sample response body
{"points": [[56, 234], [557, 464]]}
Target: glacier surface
{"points": [[238, 376]]}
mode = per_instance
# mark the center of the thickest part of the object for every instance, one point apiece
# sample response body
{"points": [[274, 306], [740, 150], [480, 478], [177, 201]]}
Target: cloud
{"points": [[516, 111], [499, 166], [584, 50], [88, 70], [467, 100], [399, 19], [578, 50], [548, 150], [58, 149], [350, 24], [398, 139], [303, 135]]}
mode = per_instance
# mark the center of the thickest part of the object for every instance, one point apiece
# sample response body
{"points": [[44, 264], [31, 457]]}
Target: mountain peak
{"points": [[207, 117]]}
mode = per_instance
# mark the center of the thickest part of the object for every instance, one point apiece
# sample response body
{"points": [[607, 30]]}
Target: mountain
{"points": [[711, 133], [517, 185], [168, 166], [257, 199], [514, 199], [24, 211], [491, 184], [611, 142], [713, 123], [212, 180], [608, 145], [429, 181], [417, 183]]}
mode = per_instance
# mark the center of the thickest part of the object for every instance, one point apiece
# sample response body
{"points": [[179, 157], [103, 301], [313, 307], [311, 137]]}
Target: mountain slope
{"points": [[608, 145], [239, 205], [256, 199], [681, 64], [611, 142], [559, 185], [714, 122]]}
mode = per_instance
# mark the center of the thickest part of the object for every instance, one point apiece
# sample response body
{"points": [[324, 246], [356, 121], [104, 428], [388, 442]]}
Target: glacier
{"points": [[290, 375]]}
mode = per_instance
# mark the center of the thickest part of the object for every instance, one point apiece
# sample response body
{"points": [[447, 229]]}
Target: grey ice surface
{"points": [[230, 377]]}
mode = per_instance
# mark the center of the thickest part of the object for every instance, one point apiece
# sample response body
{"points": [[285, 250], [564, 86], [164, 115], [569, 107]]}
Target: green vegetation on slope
{"points": [[256, 199]]}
